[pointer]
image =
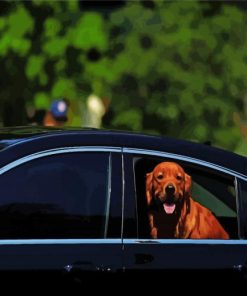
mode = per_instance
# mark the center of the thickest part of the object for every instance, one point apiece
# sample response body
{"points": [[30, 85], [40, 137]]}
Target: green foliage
{"points": [[63, 87], [34, 66], [194, 79], [52, 27], [41, 101], [130, 118], [14, 29], [89, 32], [177, 69], [20, 23]]}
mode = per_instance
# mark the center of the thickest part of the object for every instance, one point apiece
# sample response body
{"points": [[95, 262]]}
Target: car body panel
{"points": [[184, 254], [61, 254]]}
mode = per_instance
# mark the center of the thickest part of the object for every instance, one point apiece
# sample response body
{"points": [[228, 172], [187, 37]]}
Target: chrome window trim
{"points": [[120, 241], [123, 195], [56, 151], [236, 187], [59, 241], [108, 201], [185, 158], [186, 241]]}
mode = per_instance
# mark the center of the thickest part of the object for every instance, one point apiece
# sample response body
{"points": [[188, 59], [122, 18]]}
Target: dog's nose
{"points": [[170, 189]]}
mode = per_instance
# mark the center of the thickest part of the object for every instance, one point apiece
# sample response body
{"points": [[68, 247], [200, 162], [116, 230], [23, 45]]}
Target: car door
{"points": [[61, 211], [214, 188]]}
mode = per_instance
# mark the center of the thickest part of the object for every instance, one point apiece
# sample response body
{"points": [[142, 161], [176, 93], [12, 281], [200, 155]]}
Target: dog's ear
{"points": [[149, 185], [187, 191], [187, 185]]}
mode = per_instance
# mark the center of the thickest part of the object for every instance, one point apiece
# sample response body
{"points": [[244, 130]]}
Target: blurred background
{"points": [[175, 68]]}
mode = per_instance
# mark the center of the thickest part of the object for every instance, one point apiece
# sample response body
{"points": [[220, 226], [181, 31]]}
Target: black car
{"points": [[73, 203]]}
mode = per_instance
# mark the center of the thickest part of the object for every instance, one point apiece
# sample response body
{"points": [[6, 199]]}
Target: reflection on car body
{"points": [[74, 201]]}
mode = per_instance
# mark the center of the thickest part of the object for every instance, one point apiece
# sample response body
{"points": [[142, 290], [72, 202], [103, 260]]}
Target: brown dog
{"points": [[172, 211]]}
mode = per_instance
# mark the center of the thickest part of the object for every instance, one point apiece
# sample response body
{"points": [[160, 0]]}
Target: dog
{"points": [[172, 212]]}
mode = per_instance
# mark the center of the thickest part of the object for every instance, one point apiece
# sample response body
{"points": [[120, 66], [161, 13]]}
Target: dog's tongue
{"points": [[169, 208]]}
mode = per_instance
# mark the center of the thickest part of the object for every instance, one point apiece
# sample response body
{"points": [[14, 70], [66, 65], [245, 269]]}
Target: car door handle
{"points": [[147, 241], [85, 266], [80, 266], [240, 267], [142, 258]]}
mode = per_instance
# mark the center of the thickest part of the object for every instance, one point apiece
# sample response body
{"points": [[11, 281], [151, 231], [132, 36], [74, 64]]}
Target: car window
{"points": [[207, 211], [58, 196], [243, 207]]}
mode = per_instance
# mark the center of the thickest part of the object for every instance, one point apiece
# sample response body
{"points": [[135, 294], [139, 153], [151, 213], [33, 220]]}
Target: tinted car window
{"points": [[58, 196], [212, 190]]}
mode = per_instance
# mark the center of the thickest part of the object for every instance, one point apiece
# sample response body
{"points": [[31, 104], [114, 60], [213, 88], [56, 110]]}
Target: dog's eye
{"points": [[179, 177], [160, 177]]}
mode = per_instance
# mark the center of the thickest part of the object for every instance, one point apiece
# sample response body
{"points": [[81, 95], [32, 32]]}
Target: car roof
{"points": [[31, 138]]}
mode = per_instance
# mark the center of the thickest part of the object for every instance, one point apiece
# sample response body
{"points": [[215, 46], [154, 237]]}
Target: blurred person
{"points": [[94, 112], [35, 117], [58, 113]]}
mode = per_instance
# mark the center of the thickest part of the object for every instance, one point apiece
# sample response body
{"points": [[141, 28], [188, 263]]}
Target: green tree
{"points": [[183, 69], [172, 68], [47, 51]]}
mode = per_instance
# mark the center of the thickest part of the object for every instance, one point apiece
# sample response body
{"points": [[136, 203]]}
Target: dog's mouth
{"points": [[169, 208]]}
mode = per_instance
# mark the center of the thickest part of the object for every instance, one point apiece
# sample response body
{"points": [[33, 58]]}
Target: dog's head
{"points": [[168, 186]]}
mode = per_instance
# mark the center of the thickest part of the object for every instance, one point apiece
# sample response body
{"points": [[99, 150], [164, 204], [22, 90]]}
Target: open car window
{"points": [[211, 201], [211, 211]]}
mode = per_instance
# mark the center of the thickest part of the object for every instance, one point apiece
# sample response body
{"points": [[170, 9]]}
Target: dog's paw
{"points": [[154, 232]]}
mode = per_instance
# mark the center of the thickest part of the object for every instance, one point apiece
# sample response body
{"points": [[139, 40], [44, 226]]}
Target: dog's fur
{"points": [[172, 211]]}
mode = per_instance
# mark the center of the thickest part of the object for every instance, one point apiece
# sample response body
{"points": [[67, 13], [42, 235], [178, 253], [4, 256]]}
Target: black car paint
{"points": [[127, 254]]}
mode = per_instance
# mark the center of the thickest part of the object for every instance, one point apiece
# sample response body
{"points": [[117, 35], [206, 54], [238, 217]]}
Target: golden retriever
{"points": [[172, 211]]}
